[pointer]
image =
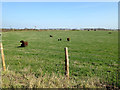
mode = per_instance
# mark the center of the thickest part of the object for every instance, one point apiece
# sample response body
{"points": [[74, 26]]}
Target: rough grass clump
{"points": [[12, 79]]}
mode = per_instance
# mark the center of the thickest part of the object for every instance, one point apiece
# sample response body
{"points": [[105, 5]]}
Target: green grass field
{"points": [[92, 54]]}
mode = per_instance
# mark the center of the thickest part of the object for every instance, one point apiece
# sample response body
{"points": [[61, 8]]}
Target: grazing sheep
{"points": [[59, 39], [68, 39], [24, 43], [51, 36]]}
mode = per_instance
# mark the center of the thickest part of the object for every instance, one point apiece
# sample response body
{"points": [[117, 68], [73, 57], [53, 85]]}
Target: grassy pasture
{"points": [[92, 54]]}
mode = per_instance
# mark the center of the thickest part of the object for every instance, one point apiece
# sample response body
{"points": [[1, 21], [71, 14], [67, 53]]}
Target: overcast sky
{"points": [[60, 15]]}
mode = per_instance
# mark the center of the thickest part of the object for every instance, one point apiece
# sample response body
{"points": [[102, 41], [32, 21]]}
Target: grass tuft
{"points": [[12, 79]]}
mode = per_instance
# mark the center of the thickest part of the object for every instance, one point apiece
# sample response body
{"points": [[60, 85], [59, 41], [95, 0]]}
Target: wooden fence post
{"points": [[66, 63], [3, 59]]}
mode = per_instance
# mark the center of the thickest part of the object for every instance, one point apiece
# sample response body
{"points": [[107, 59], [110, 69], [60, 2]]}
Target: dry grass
{"points": [[27, 79]]}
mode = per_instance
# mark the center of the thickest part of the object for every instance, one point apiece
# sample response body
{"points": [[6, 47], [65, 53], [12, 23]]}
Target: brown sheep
{"points": [[24, 43], [68, 39]]}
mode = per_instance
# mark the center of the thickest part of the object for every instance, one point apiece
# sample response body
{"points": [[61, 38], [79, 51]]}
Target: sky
{"points": [[60, 15]]}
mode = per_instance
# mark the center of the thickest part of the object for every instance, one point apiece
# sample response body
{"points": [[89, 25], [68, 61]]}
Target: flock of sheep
{"points": [[59, 39], [25, 43]]}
